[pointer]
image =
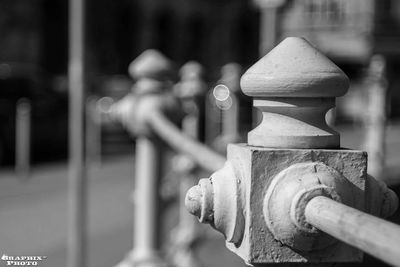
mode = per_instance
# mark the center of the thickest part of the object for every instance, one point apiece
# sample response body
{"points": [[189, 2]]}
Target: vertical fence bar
{"points": [[227, 100], [93, 132], [152, 72], [190, 90], [77, 173], [376, 117], [22, 138], [230, 117], [146, 232]]}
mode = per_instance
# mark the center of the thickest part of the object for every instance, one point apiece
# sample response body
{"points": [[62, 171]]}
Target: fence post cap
{"points": [[191, 84], [294, 68], [151, 64], [294, 86], [151, 92], [191, 69]]}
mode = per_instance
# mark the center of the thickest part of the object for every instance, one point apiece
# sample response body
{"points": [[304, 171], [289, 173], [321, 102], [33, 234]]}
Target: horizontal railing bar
{"points": [[375, 236], [174, 137]]}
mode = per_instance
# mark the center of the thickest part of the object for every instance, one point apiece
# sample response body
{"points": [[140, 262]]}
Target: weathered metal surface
{"points": [[253, 170]]}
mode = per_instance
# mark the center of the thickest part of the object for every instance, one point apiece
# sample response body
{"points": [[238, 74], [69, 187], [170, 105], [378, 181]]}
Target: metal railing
{"points": [[368, 233]]}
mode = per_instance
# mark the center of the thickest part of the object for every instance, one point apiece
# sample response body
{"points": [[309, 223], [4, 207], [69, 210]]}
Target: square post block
{"points": [[257, 167]]}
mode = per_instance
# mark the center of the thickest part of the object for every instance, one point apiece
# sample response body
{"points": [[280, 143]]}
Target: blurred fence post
{"points": [[230, 117], [23, 138], [77, 169], [152, 72], [375, 119], [226, 97], [93, 132], [213, 118], [185, 235]]}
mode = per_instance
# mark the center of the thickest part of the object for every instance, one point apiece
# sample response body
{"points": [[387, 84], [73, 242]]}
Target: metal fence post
{"points": [[77, 169], [283, 196], [190, 90], [213, 118], [23, 138], [93, 132], [375, 120], [152, 72], [230, 118], [227, 100]]}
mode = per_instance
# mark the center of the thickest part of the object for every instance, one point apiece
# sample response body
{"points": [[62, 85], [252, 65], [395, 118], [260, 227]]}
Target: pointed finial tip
{"points": [[294, 68]]}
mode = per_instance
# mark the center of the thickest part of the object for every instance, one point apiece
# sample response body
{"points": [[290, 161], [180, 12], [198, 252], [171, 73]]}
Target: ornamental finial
{"points": [[294, 85]]}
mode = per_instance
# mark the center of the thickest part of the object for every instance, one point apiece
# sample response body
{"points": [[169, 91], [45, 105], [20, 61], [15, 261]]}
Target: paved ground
{"points": [[33, 213], [33, 216]]}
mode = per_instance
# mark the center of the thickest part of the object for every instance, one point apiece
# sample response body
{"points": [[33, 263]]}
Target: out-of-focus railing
{"points": [[186, 236], [151, 114]]}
